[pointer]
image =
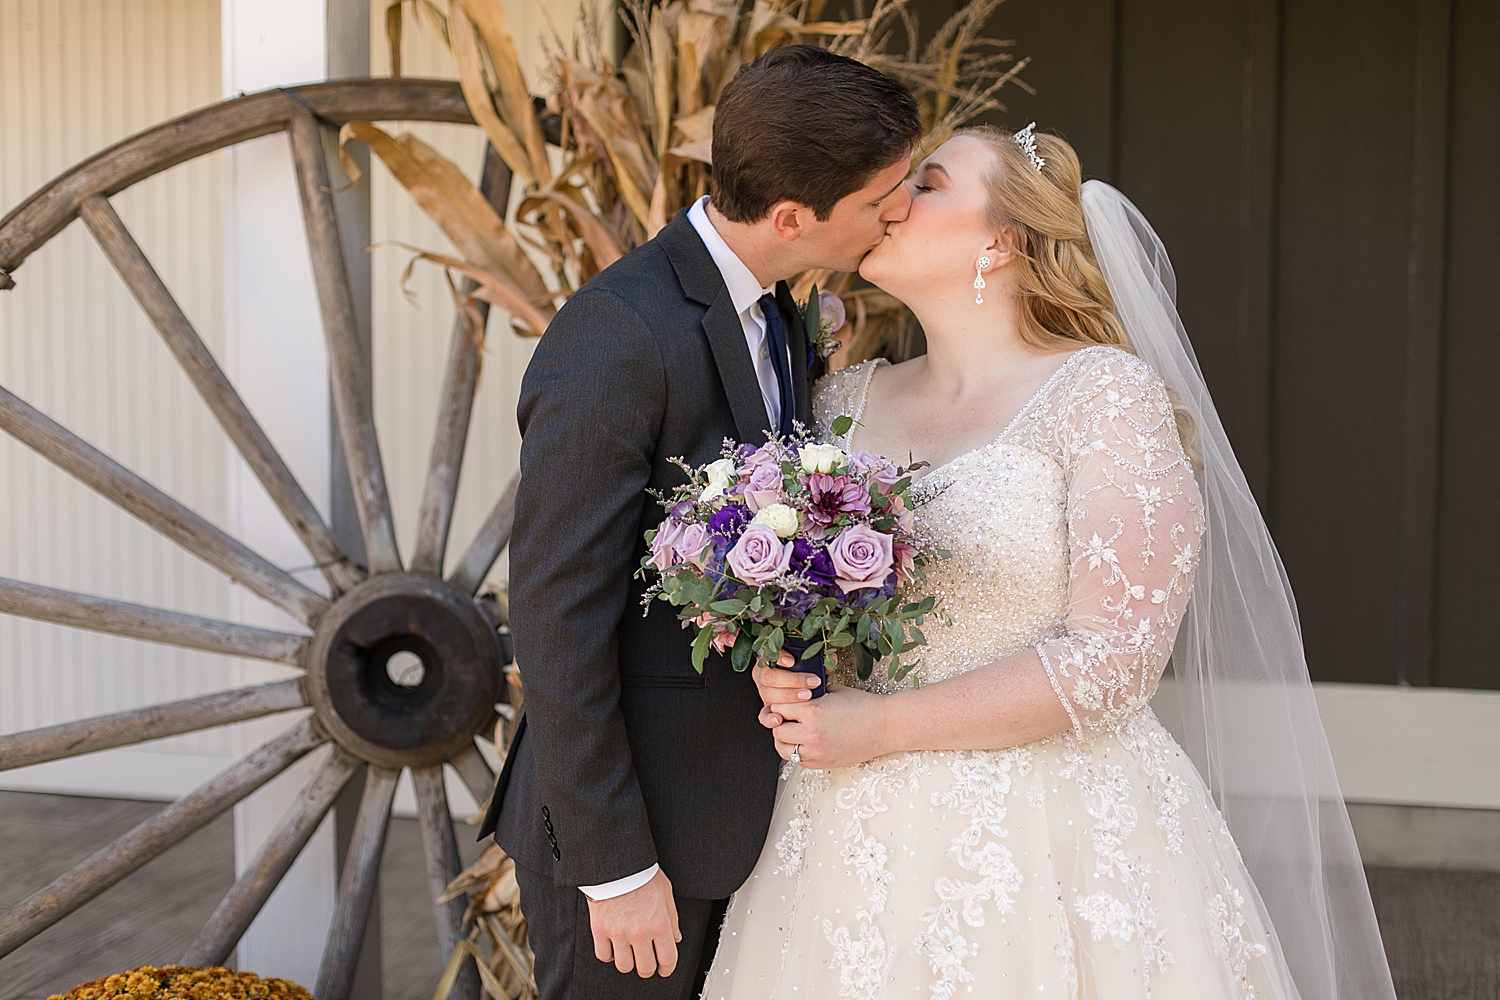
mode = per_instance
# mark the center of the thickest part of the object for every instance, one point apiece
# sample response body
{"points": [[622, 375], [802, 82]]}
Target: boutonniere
{"points": [[823, 316]]}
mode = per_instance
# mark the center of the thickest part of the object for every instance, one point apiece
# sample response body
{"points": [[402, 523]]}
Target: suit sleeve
{"points": [[590, 412]]}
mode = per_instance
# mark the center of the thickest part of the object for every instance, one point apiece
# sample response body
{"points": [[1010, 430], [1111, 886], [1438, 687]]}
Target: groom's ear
{"points": [[789, 219]]}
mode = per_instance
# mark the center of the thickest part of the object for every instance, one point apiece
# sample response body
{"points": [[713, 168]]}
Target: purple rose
{"points": [[692, 545], [862, 556], [759, 556], [728, 520], [676, 543], [764, 487], [868, 465], [756, 458], [812, 562], [664, 545]]}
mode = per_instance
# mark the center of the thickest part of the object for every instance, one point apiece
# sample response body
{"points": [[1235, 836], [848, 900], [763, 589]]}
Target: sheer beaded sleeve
{"points": [[1134, 522]]}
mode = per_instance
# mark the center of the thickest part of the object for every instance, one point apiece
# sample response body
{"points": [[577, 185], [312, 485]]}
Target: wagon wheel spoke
{"points": [[168, 516], [173, 824], [357, 886], [236, 911], [441, 849], [138, 725], [475, 772], [137, 621], [209, 379], [487, 544], [435, 516], [348, 367]]}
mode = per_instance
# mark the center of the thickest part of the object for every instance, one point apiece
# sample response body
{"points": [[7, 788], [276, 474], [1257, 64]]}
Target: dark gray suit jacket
{"points": [[626, 756]]}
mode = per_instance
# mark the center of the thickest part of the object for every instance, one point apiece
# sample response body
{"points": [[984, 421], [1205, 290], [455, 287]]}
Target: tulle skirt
{"points": [[1098, 870]]}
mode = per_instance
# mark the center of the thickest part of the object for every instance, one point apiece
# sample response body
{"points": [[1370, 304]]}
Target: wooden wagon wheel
{"points": [[374, 612]]}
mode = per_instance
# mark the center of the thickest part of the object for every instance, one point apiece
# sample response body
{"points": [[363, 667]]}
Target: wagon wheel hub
{"points": [[404, 670]]}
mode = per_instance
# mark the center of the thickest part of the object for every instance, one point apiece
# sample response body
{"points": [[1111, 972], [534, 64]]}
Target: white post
{"points": [[274, 353]]}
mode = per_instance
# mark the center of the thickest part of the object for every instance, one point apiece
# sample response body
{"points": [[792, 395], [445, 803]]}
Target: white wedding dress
{"points": [[1093, 864]]}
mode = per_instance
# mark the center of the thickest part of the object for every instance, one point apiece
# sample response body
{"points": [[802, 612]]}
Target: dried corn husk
{"points": [[633, 146]]}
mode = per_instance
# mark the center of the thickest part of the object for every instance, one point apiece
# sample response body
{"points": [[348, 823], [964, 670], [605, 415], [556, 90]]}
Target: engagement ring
{"points": [[797, 754]]}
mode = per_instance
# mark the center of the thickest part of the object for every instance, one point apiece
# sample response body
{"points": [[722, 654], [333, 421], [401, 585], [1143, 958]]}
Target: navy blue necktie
{"points": [[776, 339]]}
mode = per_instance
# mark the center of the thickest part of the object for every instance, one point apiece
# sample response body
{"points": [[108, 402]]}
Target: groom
{"points": [[637, 793]]}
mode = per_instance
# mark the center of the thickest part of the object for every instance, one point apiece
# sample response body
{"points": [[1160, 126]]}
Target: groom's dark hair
{"points": [[803, 124]]}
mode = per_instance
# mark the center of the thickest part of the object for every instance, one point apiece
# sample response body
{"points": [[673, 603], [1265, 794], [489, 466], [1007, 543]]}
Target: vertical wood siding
{"points": [[75, 77], [1322, 172]]}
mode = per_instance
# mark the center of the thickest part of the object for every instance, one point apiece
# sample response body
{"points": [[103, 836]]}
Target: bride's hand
{"points": [[844, 727], [778, 687]]}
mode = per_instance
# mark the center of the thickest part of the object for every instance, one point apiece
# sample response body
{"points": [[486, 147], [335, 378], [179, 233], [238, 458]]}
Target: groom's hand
{"points": [[638, 931], [781, 687]]}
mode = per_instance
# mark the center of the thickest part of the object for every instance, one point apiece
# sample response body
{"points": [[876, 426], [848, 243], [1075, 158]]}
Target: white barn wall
{"points": [[74, 78], [411, 332]]}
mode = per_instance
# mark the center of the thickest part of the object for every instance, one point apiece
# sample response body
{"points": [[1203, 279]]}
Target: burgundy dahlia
{"points": [[830, 497]]}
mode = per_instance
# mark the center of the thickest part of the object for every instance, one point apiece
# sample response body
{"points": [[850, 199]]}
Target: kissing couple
{"points": [[1010, 819]]}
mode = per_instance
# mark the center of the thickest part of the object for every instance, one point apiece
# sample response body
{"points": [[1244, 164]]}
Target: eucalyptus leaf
{"points": [[864, 661], [841, 425], [812, 651], [739, 656], [700, 647], [733, 606], [894, 632]]}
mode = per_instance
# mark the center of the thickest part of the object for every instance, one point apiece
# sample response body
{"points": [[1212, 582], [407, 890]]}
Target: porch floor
{"points": [[1441, 928]]}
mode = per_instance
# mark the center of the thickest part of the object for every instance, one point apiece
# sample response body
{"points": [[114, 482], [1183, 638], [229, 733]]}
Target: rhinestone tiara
{"points": [[1026, 139]]}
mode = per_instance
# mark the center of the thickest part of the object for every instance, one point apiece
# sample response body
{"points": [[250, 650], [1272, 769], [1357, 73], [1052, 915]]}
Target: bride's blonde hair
{"points": [[1062, 299], [1061, 295]]}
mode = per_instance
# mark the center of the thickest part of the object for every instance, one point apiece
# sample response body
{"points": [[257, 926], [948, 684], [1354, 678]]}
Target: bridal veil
{"points": [[1250, 722]]}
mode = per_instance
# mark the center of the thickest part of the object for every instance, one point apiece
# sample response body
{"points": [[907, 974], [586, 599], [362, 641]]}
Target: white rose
{"points": [[720, 476], [779, 518], [822, 457]]}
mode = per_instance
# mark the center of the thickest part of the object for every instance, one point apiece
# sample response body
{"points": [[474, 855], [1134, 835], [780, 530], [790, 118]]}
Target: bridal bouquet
{"points": [[796, 546]]}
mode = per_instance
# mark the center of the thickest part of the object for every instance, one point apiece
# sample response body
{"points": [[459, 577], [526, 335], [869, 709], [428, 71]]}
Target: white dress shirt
{"points": [[745, 292]]}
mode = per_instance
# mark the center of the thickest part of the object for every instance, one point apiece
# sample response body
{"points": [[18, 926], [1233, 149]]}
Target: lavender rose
{"points": [[862, 557], [692, 545], [763, 487], [760, 556], [867, 464], [676, 543], [664, 544]]}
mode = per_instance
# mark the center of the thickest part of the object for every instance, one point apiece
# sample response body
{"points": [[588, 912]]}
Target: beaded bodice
{"points": [[1075, 532]]}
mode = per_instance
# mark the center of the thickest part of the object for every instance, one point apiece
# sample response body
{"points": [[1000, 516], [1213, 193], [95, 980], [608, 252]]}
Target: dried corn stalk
{"points": [[613, 152]]}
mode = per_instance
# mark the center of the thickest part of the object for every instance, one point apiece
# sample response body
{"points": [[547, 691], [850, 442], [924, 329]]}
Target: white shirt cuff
{"points": [[620, 886]]}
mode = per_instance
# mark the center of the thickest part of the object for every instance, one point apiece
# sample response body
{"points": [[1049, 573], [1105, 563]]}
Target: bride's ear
{"points": [[999, 252]]}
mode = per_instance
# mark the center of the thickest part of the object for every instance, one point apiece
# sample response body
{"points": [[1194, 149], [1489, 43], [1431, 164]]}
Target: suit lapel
{"points": [[726, 337], [702, 283], [797, 347]]}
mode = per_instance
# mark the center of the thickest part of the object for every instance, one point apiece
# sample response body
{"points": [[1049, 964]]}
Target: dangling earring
{"points": [[983, 263]]}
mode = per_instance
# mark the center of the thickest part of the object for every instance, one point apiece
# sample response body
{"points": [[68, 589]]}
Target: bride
{"points": [[1012, 820]]}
